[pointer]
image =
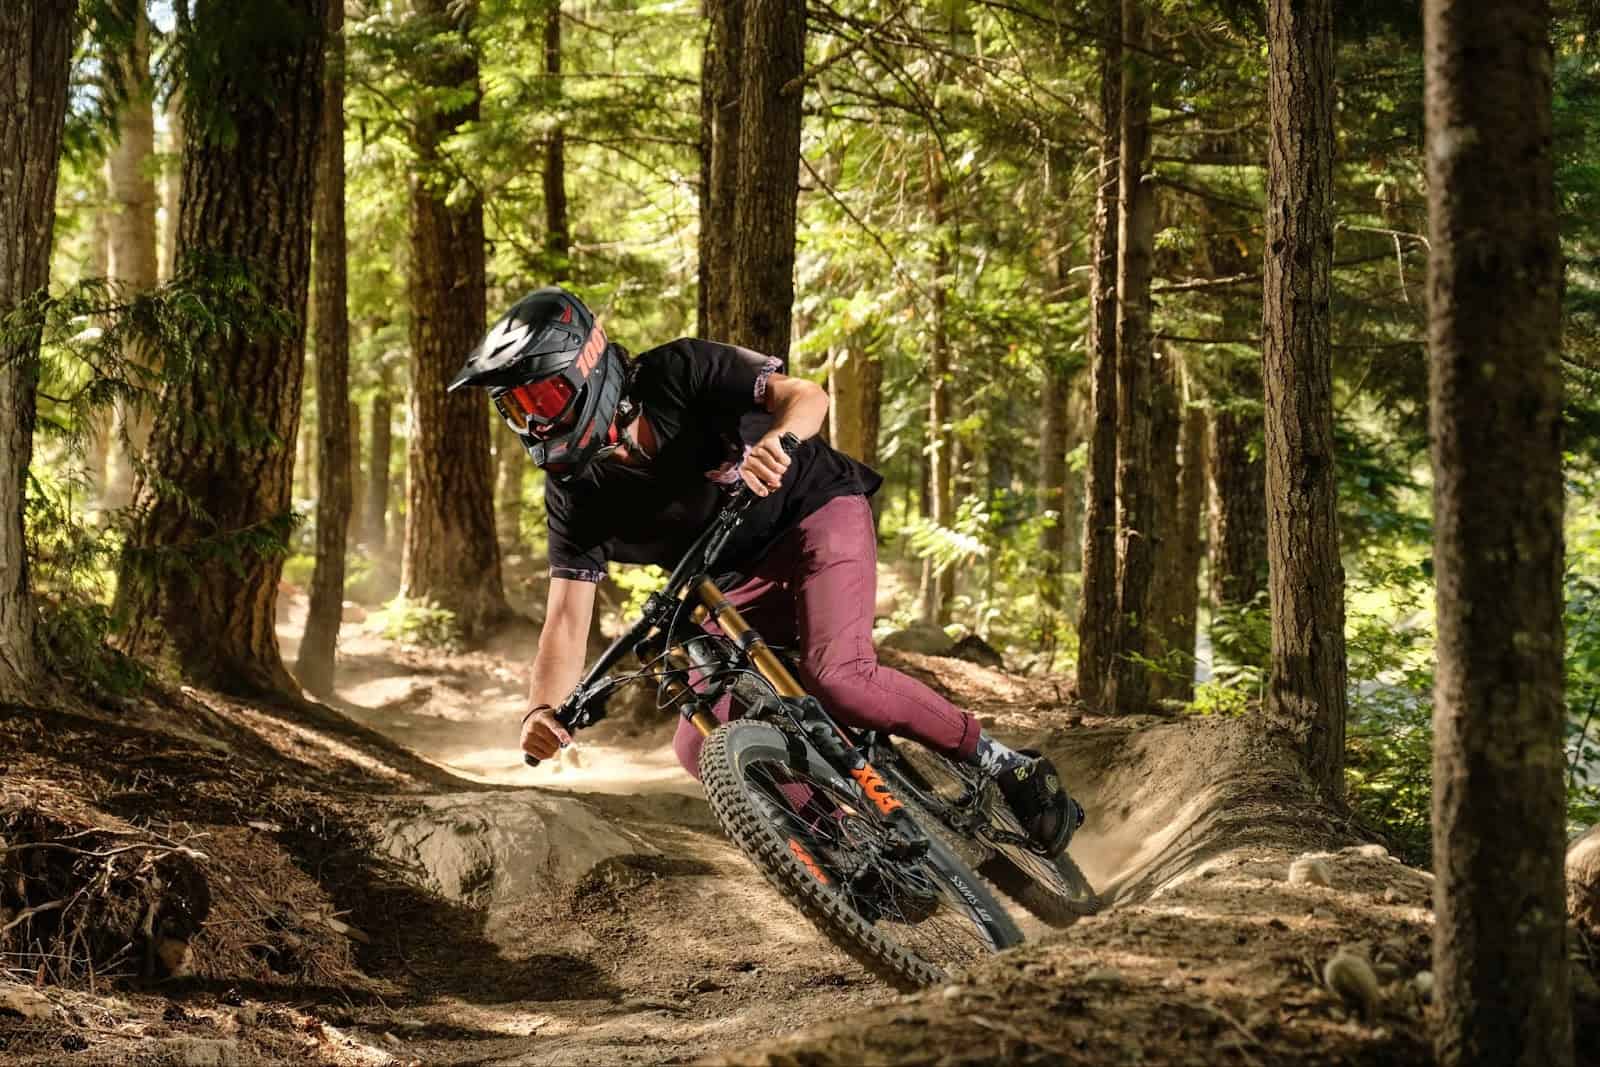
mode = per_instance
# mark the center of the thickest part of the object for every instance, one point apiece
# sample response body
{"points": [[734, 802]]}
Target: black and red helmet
{"points": [[555, 379]]}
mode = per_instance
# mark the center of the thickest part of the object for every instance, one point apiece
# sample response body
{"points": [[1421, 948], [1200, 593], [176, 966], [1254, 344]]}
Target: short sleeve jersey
{"points": [[706, 403]]}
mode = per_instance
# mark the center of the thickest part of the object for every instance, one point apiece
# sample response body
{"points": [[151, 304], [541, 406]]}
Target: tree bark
{"points": [[1238, 478], [36, 39], [172, 182], [315, 666], [376, 531], [1183, 603], [509, 460], [378, 463], [451, 556], [1495, 281], [1053, 480], [938, 586], [1166, 430], [557, 228], [1097, 613], [1130, 680], [200, 574], [720, 87], [1305, 698], [773, 61], [855, 382], [100, 424], [134, 263], [358, 485]]}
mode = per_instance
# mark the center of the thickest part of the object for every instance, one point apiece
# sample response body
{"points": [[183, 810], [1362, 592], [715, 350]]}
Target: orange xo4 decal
{"points": [[873, 786], [808, 860]]}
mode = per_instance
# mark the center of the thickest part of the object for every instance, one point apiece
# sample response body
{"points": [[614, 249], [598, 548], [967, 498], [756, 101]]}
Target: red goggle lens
{"points": [[541, 401]]}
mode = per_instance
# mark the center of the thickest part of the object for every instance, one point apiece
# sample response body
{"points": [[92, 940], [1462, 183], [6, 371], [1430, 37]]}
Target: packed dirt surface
{"points": [[372, 907]]}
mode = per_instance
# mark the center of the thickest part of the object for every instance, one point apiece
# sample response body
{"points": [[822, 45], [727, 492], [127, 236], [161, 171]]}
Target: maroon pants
{"points": [[815, 592]]}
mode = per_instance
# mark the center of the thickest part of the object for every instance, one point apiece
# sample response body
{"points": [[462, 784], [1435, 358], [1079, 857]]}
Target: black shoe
{"points": [[1033, 791]]}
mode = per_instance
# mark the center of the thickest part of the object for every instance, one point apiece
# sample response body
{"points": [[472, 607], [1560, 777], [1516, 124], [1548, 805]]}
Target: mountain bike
{"points": [[873, 840]]}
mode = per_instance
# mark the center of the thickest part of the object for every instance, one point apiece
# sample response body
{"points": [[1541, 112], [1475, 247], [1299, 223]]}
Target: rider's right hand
{"points": [[542, 735]]}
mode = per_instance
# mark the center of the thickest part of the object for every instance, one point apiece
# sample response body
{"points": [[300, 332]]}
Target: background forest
{"points": [[1239, 362], [944, 241]]}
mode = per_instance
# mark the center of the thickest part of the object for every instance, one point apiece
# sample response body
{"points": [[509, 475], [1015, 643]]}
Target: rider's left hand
{"points": [[766, 464]]}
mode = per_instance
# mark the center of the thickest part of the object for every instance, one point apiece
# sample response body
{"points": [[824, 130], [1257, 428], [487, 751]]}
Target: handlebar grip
{"points": [[565, 715]]}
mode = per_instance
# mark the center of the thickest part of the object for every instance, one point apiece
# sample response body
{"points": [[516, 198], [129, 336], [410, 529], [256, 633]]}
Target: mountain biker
{"points": [[638, 457]]}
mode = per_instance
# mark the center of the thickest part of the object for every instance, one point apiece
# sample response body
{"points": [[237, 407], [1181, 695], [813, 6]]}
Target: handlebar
{"points": [[574, 712]]}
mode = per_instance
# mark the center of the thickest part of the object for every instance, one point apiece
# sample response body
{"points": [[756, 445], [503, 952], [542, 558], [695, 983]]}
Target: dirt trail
{"points": [[673, 948], [659, 954]]}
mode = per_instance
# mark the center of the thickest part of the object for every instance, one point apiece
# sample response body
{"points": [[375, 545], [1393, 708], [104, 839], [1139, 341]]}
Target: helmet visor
{"points": [[540, 409]]}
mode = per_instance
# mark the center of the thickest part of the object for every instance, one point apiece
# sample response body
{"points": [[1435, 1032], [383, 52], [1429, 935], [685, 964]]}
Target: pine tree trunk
{"points": [[172, 182], [197, 581], [773, 61], [855, 380], [1130, 681], [720, 86], [100, 424], [130, 179], [315, 666], [557, 230], [1187, 547], [358, 484], [379, 460], [36, 38], [1305, 698], [1052, 480], [510, 462], [451, 555], [1166, 429], [1097, 613], [1238, 478], [937, 586], [1495, 279]]}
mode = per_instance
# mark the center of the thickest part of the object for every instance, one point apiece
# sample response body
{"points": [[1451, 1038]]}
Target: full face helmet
{"points": [[555, 379]]}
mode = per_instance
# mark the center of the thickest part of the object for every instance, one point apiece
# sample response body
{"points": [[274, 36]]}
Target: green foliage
{"points": [[420, 622], [1389, 639], [636, 583]]}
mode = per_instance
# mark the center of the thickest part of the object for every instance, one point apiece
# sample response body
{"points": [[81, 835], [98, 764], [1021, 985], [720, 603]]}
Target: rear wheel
{"points": [[1053, 888], [907, 921]]}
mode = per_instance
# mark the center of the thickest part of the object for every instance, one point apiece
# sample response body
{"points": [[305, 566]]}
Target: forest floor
{"points": [[367, 907]]}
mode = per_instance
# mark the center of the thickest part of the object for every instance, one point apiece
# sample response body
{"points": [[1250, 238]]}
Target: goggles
{"points": [[539, 410]]}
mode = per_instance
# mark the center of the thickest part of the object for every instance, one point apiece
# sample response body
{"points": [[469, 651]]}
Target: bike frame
{"points": [[690, 599]]}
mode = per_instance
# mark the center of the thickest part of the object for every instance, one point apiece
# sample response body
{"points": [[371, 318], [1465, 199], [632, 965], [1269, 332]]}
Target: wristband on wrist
{"points": [[534, 710]]}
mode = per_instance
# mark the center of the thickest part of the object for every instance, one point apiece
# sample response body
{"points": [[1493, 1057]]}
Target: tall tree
{"points": [[1183, 591], [557, 227], [130, 181], [1495, 281], [938, 586], [334, 490], [1097, 614], [451, 555], [720, 86], [1305, 698], [172, 181], [1130, 680], [855, 387], [1237, 473], [376, 509], [200, 574], [773, 61], [35, 50]]}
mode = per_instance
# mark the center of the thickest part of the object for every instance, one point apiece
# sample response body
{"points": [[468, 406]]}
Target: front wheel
{"points": [[907, 921]]}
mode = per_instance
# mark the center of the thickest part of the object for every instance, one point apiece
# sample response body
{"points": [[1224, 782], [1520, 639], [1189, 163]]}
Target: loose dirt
{"points": [[464, 909]]}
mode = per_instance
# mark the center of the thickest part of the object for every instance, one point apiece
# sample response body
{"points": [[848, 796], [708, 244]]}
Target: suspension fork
{"points": [[823, 733]]}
